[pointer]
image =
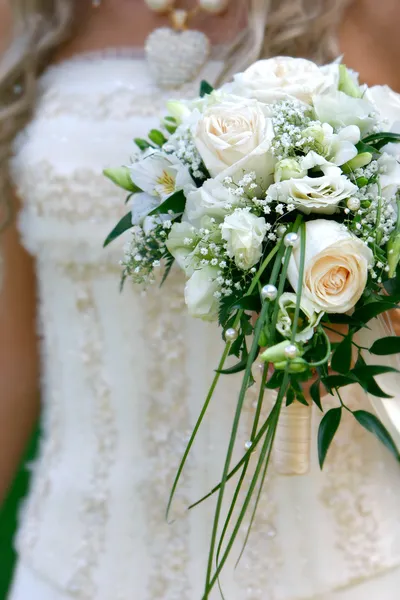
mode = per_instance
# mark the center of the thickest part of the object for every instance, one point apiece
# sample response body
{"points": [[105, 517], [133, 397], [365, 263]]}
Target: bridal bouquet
{"points": [[278, 195]]}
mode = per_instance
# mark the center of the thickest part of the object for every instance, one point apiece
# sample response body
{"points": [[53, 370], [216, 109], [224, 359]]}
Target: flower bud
{"points": [[121, 176], [288, 168], [316, 132], [178, 110], [298, 365], [347, 83], [361, 160], [276, 354]]}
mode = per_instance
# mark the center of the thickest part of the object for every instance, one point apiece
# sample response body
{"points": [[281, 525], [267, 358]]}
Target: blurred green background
{"points": [[9, 517]]}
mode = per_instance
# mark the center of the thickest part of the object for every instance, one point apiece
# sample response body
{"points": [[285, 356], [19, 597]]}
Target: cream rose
{"points": [[336, 266], [200, 294], [244, 233], [315, 194], [231, 133], [283, 78]]}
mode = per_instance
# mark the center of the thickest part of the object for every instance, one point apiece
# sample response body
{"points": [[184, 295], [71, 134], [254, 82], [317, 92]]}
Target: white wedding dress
{"points": [[124, 378]]}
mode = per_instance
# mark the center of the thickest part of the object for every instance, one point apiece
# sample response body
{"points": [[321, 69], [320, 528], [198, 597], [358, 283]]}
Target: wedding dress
{"points": [[124, 378]]}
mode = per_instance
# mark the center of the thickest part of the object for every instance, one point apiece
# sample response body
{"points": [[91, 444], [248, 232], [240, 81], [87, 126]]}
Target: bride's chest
{"points": [[87, 114]]}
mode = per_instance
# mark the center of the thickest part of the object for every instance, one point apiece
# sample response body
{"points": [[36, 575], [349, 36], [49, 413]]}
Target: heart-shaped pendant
{"points": [[176, 57]]}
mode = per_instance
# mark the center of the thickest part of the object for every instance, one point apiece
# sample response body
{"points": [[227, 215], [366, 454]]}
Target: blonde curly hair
{"points": [[303, 28]]}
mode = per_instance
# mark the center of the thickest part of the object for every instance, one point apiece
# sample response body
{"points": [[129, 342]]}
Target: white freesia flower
{"points": [[283, 78], [340, 110], [160, 174], [315, 194], [200, 294], [231, 134], [336, 266], [181, 243], [309, 317], [212, 199], [244, 233]]}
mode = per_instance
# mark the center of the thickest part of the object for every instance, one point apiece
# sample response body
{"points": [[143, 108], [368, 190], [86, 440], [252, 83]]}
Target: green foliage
{"points": [[341, 358], [315, 393], [173, 204], [327, 430], [123, 225], [372, 424], [386, 345], [380, 139], [205, 88]]}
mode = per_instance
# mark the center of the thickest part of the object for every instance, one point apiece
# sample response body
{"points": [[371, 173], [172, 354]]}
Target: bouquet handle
{"points": [[293, 440]]}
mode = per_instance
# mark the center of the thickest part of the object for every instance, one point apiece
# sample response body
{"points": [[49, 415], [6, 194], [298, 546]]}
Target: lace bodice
{"points": [[124, 378]]}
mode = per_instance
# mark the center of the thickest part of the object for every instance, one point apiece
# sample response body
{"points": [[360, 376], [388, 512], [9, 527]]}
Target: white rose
{"points": [[336, 266], [212, 199], [244, 233], [320, 195], [231, 133], [160, 174], [200, 294], [339, 110], [283, 78], [308, 320]]}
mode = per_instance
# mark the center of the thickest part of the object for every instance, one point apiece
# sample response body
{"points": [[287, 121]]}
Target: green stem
{"points": [[378, 229], [214, 383], [328, 351], [251, 358], [253, 483]]}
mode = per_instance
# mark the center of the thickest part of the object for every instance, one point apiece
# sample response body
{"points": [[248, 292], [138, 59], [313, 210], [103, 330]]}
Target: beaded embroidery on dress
{"points": [[123, 382]]}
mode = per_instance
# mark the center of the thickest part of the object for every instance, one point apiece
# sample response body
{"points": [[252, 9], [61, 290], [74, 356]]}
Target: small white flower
{"points": [[200, 292]]}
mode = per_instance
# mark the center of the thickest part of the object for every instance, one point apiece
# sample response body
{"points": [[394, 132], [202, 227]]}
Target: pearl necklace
{"points": [[176, 54]]}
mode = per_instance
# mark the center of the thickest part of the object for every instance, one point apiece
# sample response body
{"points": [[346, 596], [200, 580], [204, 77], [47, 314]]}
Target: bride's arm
{"points": [[19, 396]]}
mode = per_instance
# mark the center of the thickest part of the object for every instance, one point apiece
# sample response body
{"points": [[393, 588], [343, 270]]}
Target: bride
{"points": [[122, 380]]}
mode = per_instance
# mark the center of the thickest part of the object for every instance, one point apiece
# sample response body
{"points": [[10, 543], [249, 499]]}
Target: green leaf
{"points": [[371, 423], [275, 381], [327, 429], [240, 366], [169, 261], [381, 139], [371, 310], [335, 381], [205, 88], [142, 144], [386, 345], [290, 396], [315, 393], [362, 147], [370, 386], [157, 137], [123, 225], [340, 319], [371, 371], [341, 358], [246, 303], [175, 203]]}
